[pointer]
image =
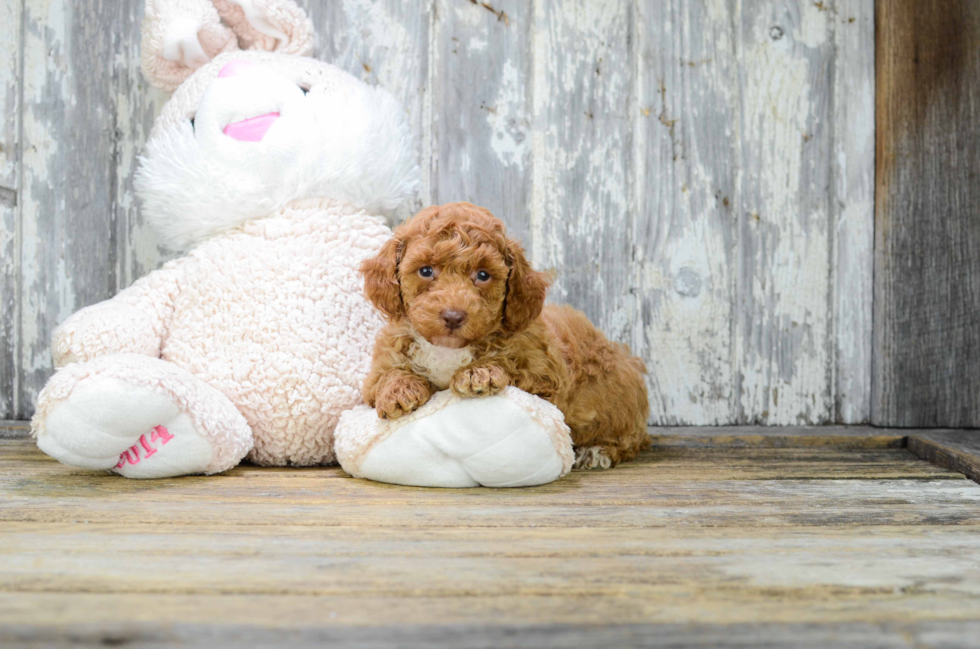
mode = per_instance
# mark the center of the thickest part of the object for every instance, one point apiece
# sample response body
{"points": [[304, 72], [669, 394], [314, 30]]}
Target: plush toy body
{"points": [[273, 169], [269, 315]]}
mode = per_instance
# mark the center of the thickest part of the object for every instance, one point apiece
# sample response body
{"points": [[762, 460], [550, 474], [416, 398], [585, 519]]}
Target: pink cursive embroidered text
{"points": [[132, 454]]}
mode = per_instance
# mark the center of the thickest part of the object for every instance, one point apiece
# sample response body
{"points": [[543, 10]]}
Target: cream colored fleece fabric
{"points": [[512, 439], [271, 314]]}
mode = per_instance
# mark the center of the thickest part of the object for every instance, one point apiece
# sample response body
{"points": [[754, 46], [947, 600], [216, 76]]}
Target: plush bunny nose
{"points": [[453, 319], [231, 68]]}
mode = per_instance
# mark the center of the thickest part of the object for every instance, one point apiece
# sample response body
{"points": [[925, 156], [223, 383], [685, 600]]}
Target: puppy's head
{"points": [[454, 274]]}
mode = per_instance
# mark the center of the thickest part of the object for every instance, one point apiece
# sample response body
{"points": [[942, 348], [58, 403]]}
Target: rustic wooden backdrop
{"points": [[699, 172], [927, 246]]}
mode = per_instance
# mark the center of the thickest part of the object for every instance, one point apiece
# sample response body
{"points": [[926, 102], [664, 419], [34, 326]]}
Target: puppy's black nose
{"points": [[453, 319]]}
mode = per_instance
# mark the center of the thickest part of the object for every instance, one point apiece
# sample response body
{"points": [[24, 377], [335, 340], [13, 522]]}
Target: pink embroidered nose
{"points": [[251, 130], [231, 68]]}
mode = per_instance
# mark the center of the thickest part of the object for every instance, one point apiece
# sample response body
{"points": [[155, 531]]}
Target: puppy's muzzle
{"points": [[453, 319]]}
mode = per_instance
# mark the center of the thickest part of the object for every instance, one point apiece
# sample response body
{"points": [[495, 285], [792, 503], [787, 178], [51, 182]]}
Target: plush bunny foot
{"points": [[144, 434], [513, 439], [140, 417]]}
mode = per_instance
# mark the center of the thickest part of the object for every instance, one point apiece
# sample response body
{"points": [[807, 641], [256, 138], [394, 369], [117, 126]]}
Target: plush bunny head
{"points": [[249, 130]]}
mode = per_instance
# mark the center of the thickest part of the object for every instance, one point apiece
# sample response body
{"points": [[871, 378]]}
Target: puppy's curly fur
{"points": [[466, 311]]}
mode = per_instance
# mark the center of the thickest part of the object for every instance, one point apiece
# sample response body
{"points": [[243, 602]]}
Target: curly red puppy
{"points": [[466, 311]]}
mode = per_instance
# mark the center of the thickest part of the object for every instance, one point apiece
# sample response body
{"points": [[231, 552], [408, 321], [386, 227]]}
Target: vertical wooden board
{"points": [[386, 43], [67, 247], [581, 218], [10, 89], [853, 207], [927, 227], [135, 106], [685, 124], [783, 338], [481, 108]]}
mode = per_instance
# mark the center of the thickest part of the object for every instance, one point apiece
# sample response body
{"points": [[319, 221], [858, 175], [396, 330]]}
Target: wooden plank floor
{"points": [[852, 543]]}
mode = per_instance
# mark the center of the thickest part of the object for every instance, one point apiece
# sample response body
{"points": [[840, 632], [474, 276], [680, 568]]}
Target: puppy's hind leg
{"points": [[592, 457], [609, 416]]}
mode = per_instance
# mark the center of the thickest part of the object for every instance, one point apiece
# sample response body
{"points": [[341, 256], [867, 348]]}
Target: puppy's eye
{"points": [[305, 90], [482, 276], [192, 124], [426, 271]]}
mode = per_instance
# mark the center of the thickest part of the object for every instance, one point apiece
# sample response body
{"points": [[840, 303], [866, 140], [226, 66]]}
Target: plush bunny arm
{"points": [[134, 321], [270, 25], [180, 36]]}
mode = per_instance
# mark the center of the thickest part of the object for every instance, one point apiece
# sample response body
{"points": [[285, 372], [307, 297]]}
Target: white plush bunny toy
{"points": [[272, 168]]}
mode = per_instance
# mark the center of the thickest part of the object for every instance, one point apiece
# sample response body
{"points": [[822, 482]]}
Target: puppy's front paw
{"points": [[402, 395], [482, 381]]}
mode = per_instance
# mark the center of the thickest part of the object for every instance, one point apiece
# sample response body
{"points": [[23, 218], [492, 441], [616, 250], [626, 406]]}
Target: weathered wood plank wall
{"points": [[927, 253], [10, 89], [698, 172]]}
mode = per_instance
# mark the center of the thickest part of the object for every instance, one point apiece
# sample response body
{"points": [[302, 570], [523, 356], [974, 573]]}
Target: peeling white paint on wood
{"points": [[481, 108], [783, 349], [582, 219], [67, 256], [684, 125], [854, 169], [739, 155], [45, 291], [10, 89], [698, 172]]}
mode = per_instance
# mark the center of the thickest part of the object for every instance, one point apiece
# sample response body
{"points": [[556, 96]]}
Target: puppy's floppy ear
{"points": [[381, 279], [526, 289]]}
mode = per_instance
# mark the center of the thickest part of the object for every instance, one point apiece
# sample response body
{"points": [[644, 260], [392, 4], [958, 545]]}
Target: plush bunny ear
{"points": [[180, 36], [270, 25]]}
